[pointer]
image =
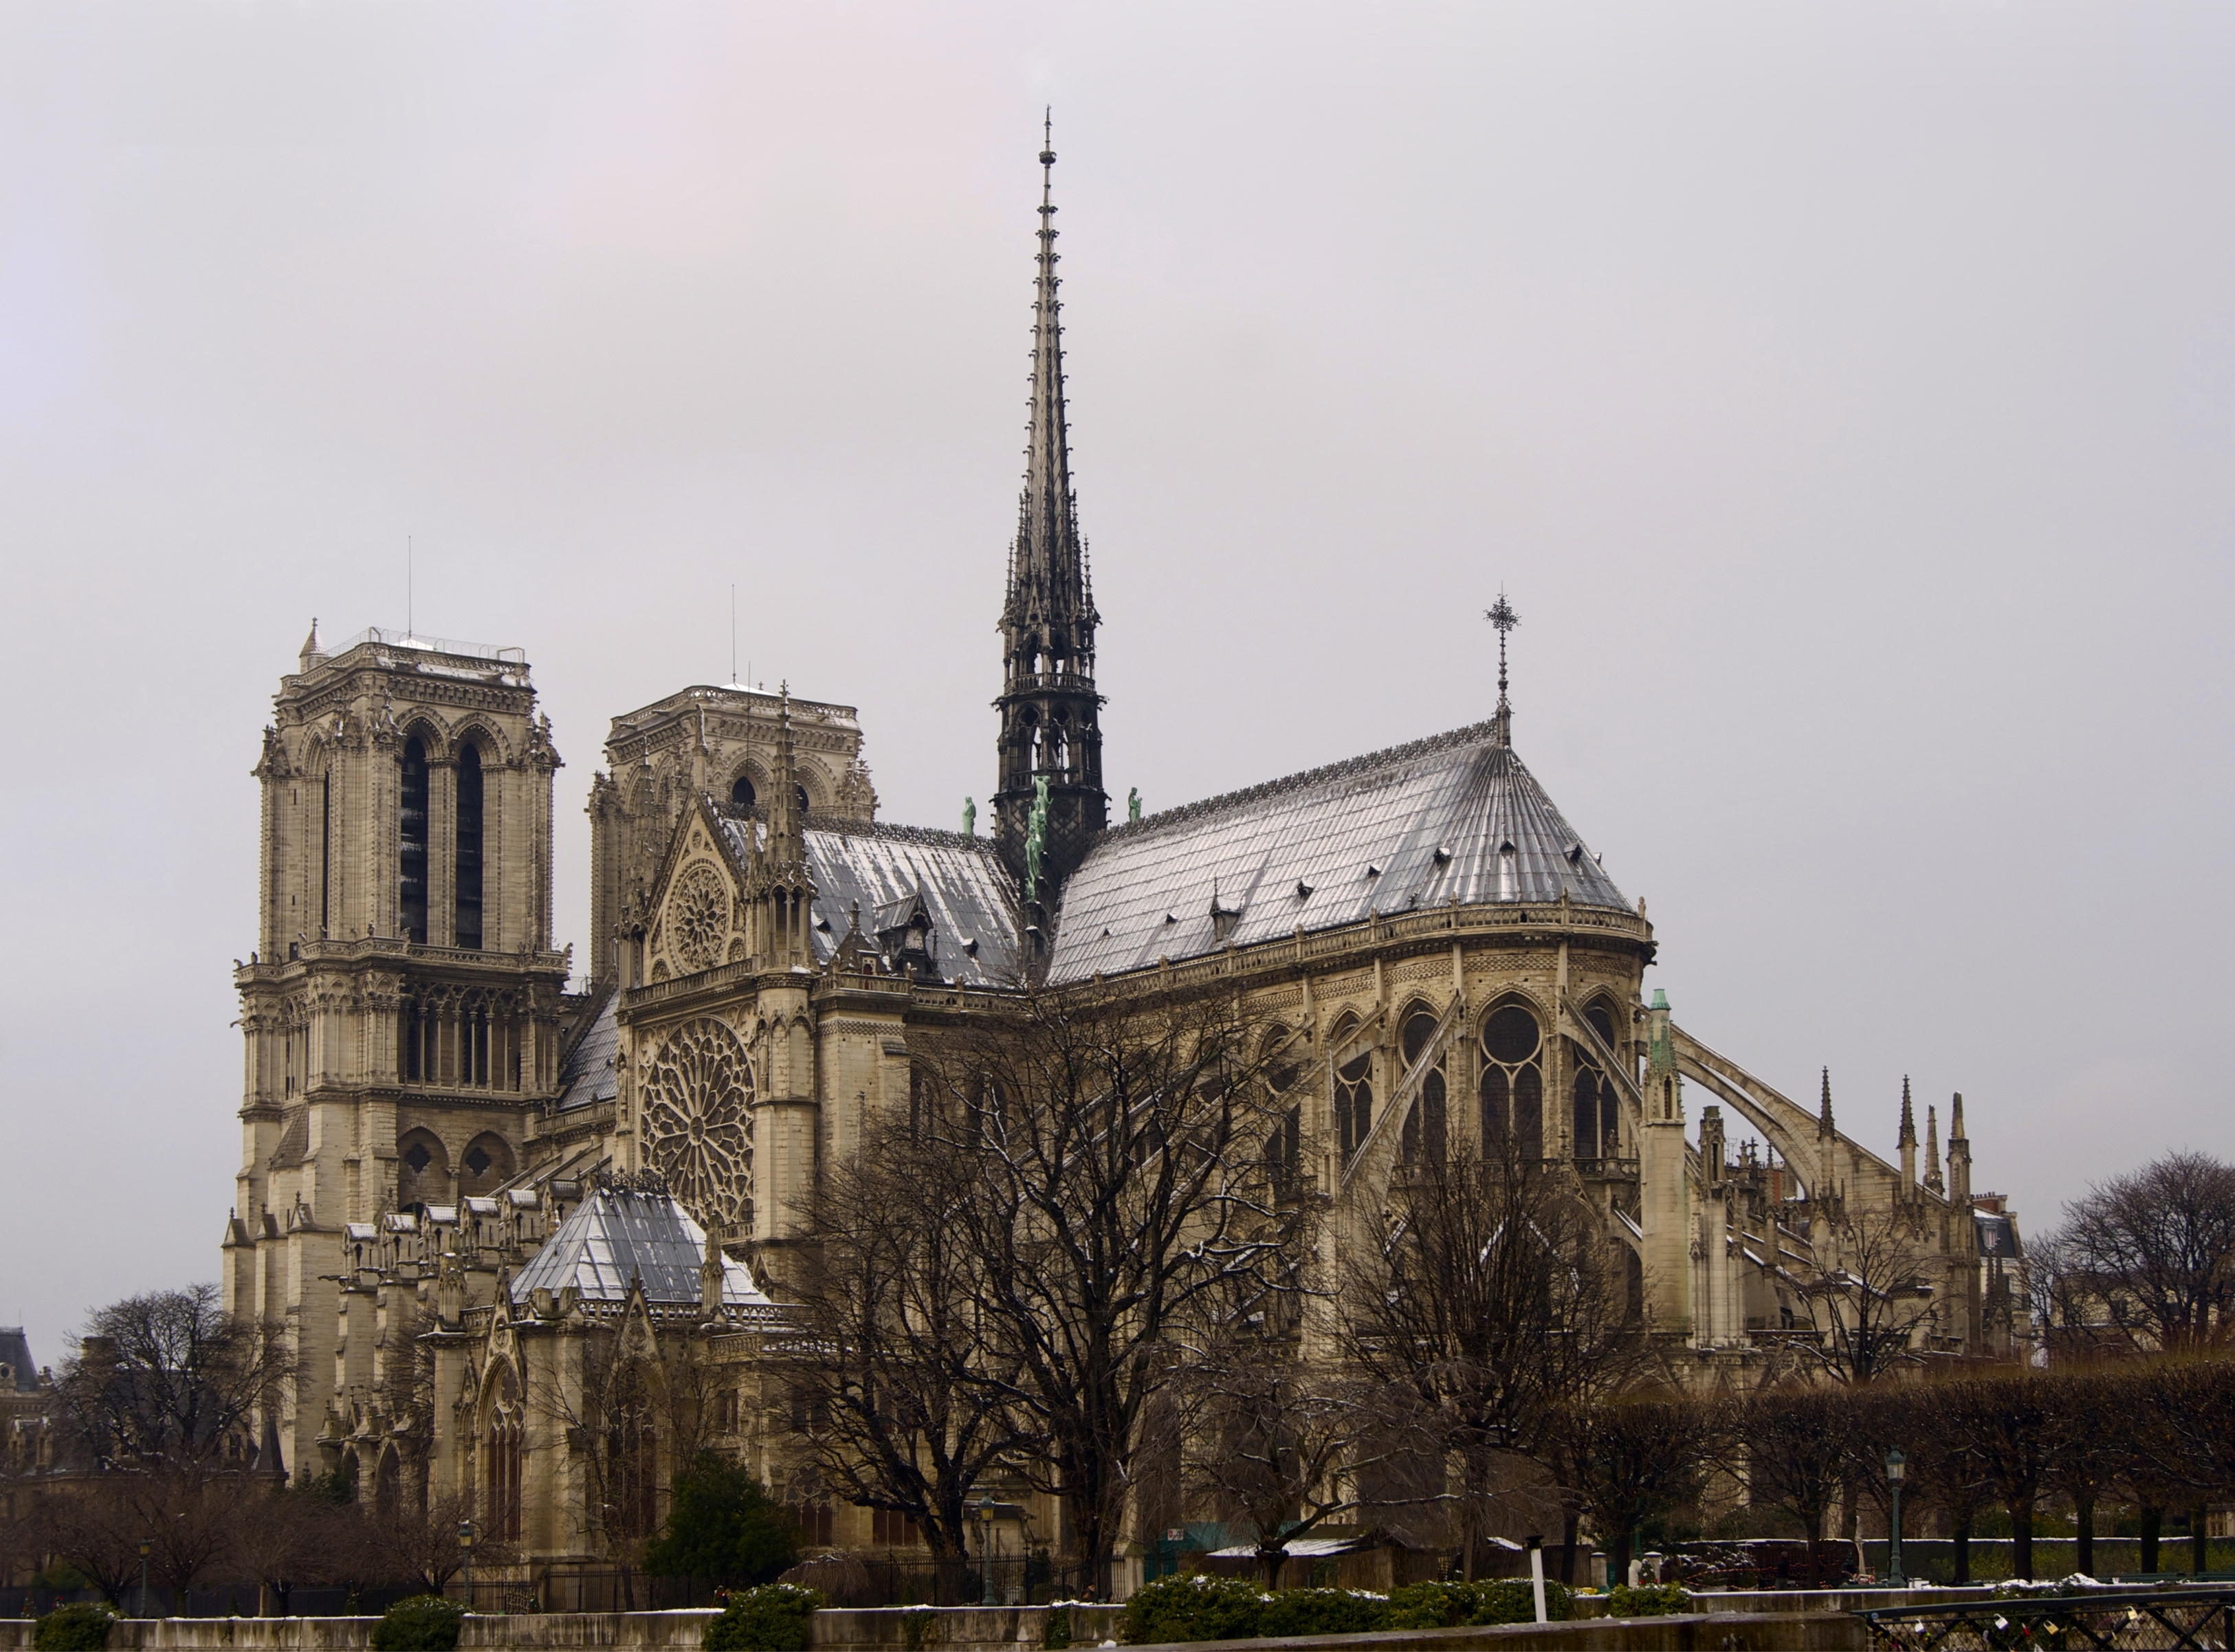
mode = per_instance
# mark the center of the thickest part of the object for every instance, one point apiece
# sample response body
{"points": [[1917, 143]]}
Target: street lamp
{"points": [[985, 1543], [466, 1536], [1895, 1463], [146, 1545]]}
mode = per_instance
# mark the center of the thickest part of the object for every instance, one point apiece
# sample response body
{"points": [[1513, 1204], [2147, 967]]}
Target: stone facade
{"points": [[428, 1112]]}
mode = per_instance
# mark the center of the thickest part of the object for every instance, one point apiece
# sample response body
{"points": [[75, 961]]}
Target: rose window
{"points": [[698, 1125], [699, 917]]}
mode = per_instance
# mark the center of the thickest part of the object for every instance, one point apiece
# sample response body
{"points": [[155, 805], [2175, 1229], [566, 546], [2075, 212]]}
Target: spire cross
{"points": [[1501, 614]]}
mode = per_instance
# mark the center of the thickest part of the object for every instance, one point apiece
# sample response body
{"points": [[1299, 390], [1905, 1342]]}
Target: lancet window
{"points": [[1598, 1110], [1513, 1089], [1427, 1124], [412, 833], [1353, 1095], [468, 870], [470, 1041], [500, 1472]]}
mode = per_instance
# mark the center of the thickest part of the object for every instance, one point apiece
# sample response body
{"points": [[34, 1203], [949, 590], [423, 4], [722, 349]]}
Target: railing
{"points": [[449, 645], [2177, 1618]]}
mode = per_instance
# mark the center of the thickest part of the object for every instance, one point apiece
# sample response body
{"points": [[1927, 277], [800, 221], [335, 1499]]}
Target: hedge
{"points": [[1210, 1608]]}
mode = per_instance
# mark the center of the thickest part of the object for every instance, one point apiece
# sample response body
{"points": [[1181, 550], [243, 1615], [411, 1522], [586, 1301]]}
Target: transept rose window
{"points": [[699, 916], [697, 1124]]}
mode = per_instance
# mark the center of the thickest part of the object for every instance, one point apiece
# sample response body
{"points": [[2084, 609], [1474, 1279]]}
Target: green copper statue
{"points": [[970, 817], [1132, 803], [1032, 852]]}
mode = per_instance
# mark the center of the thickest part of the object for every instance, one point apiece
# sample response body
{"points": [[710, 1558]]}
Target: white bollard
{"points": [[1536, 1577]]}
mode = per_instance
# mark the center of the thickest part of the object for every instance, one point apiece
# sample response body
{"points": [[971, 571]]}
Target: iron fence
{"points": [[2144, 1623]]}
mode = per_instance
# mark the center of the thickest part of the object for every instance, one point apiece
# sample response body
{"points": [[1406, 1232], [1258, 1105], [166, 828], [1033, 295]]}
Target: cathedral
{"points": [[454, 1166]]}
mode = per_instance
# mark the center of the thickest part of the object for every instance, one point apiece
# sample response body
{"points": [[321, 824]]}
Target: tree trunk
{"points": [[2153, 1524], [1959, 1528], [1268, 1561], [1618, 1558], [2083, 1519], [951, 1577], [2199, 1538], [1568, 1524], [1816, 1517], [2022, 1538]]}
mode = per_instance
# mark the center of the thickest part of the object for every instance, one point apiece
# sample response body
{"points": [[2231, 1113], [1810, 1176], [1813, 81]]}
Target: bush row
{"points": [[1210, 1608]]}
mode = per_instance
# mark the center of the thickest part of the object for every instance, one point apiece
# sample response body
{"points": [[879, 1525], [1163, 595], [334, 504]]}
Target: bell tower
{"points": [[402, 1009], [1050, 738]]}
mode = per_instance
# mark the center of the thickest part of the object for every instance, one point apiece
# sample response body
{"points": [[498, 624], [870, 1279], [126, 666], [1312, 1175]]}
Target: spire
{"points": [[1959, 1154], [312, 653], [1049, 752], [785, 846], [1908, 1139], [1047, 572], [1501, 614], [1932, 1181], [1823, 1131]]}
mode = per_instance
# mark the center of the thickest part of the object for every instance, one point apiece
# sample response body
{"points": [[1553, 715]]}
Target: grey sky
{"points": [[1845, 394]]}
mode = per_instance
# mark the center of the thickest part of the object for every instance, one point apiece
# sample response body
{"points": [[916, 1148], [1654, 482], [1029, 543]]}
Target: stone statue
{"points": [[970, 817], [1132, 803], [1033, 865]]}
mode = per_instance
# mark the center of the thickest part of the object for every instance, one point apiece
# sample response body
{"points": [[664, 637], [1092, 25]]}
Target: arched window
{"points": [[469, 847], [486, 1165], [422, 1169], [1353, 1096], [802, 803], [1512, 1083], [1284, 1143], [326, 853], [501, 1450], [631, 1458], [1425, 1126], [1586, 1122], [742, 794], [412, 830]]}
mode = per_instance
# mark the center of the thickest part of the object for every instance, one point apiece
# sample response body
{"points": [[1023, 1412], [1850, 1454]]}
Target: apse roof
{"points": [[966, 891], [1454, 815], [619, 1234]]}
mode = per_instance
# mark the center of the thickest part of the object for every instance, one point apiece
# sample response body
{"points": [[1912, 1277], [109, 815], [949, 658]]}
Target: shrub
{"points": [[722, 1524], [1192, 1608], [423, 1623], [1648, 1600], [1055, 1628], [772, 1619], [1494, 1600], [81, 1628], [1320, 1611]]}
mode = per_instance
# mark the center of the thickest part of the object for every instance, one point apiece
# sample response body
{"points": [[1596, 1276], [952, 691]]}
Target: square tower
{"points": [[404, 1008]]}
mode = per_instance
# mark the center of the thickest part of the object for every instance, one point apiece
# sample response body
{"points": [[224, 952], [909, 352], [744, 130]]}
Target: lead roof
{"points": [[618, 1235], [966, 890], [1457, 815]]}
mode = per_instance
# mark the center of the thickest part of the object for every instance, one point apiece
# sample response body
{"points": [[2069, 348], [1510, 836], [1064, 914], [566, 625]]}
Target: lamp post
{"points": [[985, 1542], [146, 1545], [466, 1536], [1895, 1463]]}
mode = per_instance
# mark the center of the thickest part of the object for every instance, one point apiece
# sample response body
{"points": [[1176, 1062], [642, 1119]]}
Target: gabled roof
{"points": [[618, 1235], [961, 882], [1457, 815]]}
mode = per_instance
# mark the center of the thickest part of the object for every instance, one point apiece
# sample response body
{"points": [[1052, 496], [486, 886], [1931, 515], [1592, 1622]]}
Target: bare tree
{"points": [[2008, 1419], [1794, 1447], [1116, 1150], [907, 1397], [1869, 1307], [1632, 1457], [2152, 1255], [1281, 1446], [1494, 1296], [169, 1379]]}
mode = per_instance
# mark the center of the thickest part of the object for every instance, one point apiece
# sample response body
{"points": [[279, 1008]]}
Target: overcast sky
{"points": [[1845, 396]]}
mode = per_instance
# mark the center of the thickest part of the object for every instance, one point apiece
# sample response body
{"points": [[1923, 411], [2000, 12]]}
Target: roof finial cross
{"points": [[1501, 614]]}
